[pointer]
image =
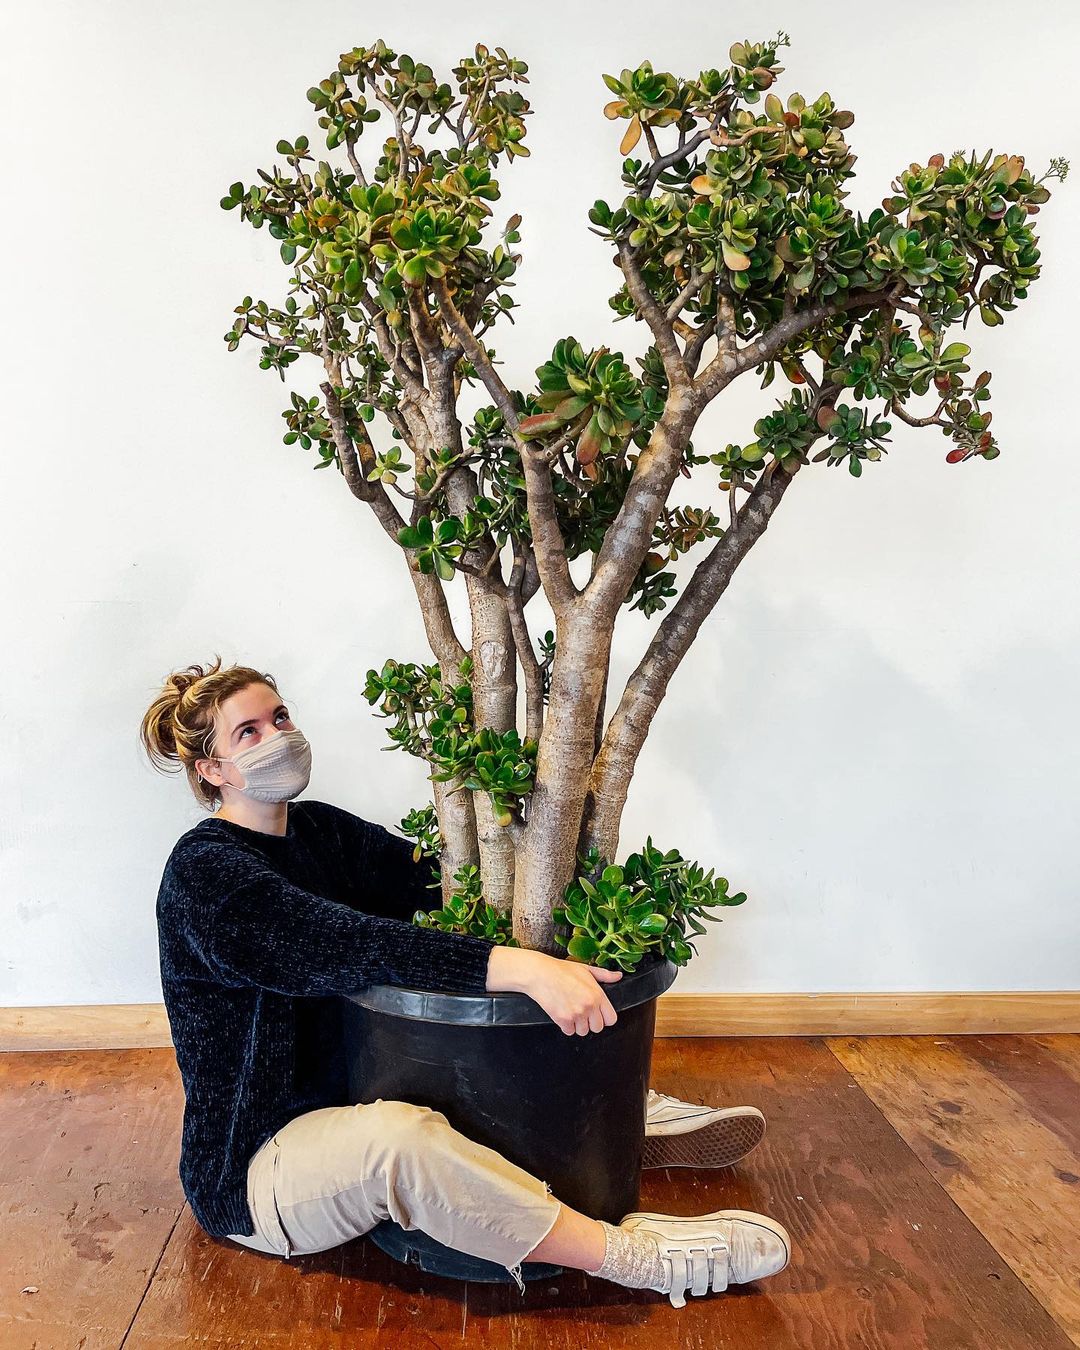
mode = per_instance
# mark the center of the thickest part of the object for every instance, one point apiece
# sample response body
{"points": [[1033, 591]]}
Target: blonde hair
{"points": [[178, 727]]}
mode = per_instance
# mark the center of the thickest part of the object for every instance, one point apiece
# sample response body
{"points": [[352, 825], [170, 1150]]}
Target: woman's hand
{"points": [[568, 991]]}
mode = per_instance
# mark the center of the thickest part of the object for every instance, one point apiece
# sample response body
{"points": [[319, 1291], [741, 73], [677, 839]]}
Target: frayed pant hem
{"points": [[515, 1269]]}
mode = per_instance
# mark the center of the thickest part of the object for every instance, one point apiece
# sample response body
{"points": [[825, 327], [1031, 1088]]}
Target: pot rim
{"points": [[648, 981]]}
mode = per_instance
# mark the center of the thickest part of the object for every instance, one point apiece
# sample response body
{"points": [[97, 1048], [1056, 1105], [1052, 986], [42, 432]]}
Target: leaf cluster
{"points": [[434, 722], [468, 912], [613, 915]]}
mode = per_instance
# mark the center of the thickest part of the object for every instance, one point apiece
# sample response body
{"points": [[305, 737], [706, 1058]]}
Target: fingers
{"points": [[580, 1007], [593, 1020], [594, 1017]]}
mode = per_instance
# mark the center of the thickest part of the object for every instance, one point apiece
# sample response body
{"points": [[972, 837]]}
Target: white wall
{"points": [[874, 735]]}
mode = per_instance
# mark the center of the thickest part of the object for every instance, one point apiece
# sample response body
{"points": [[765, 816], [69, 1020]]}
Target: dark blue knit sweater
{"points": [[258, 936]]}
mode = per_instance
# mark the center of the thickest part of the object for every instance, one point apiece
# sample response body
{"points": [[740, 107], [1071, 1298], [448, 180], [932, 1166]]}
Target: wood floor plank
{"points": [[213, 1292], [987, 1142], [1065, 1049], [88, 1191], [1044, 1076], [830, 1168], [883, 1258], [351, 1295]]}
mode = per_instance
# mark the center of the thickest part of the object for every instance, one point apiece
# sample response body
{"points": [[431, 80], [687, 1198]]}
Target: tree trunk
{"points": [[614, 767], [494, 675], [457, 826], [495, 706], [548, 856]]}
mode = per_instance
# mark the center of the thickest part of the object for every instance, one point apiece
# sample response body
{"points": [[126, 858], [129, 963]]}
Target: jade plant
{"points": [[736, 253]]}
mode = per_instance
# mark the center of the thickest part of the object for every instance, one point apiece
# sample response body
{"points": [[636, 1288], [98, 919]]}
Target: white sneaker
{"points": [[685, 1134], [703, 1252]]}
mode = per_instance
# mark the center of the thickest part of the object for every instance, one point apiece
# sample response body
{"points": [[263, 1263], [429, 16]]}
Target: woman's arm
{"points": [[383, 875], [252, 927]]}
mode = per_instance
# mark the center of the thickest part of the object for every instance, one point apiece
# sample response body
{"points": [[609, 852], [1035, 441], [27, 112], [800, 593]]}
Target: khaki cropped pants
{"points": [[332, 1174]]}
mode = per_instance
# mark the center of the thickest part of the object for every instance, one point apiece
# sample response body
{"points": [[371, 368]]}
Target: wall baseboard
{"points": [[868, 1014], [126, 1026]]}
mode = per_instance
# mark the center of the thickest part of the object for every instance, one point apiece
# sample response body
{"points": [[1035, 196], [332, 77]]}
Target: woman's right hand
{"points": [[570, 992]]}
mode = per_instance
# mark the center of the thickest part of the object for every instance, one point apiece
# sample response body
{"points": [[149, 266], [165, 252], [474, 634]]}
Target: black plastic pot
{"points": [[568, 1109]]}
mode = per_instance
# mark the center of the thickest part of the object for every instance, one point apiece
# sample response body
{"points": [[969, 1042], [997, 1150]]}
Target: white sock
{"points": [[631, 1258]]}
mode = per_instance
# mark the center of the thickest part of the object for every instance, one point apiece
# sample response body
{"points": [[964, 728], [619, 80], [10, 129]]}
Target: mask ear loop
{"points": [[206, 755]]}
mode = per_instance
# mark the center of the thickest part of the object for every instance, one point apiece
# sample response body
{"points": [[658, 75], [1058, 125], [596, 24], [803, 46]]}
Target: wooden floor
{"points": [[931, 1186]]}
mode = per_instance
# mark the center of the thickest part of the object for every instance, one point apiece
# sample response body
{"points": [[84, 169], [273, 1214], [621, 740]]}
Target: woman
{"points": [[260, 933]]}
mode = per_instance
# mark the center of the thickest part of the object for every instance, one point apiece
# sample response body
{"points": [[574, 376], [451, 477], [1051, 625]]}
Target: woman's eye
{"points": [[279, 716]]}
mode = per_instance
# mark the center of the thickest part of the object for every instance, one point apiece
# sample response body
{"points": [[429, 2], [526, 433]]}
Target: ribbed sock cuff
{"points": [[631, 1258]]}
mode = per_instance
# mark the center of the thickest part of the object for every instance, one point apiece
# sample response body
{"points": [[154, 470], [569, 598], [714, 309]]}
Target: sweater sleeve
{"points": [[384, 877], [260, 929]]}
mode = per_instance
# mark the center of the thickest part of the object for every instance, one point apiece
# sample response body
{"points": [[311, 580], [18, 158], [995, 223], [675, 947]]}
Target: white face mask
{"points": [[276, 769]]}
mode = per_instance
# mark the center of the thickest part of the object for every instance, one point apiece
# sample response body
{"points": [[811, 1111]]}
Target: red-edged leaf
{"points": [[569, 407], [539, 425], [588, 446]]}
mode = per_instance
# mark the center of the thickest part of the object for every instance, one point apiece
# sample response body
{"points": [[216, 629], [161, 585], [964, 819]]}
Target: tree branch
{"points": [[357, 167], [629, 536], [534, 683], [933, 420], [658, 321], [408, 376], [548, 542], [728, 362], [693, 349], [629, 725], [697, 280], [681, 151], [430, 594], [427, 335]]}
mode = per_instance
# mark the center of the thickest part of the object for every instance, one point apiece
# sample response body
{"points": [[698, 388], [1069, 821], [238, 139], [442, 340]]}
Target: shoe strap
{"points": [[693, 1264]]}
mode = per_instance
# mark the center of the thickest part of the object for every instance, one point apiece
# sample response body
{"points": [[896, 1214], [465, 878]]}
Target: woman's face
{"points": [[243, 720]]}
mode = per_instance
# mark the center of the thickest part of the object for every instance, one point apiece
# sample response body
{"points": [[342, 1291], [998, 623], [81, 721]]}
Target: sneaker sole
{"points": [[719, 1144], [693, 1221]]}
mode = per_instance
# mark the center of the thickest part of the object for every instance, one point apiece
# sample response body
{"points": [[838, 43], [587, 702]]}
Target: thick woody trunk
{"points": [[547, 860], [494, 684], [457, 826], [629, 725], [455, 811], [494, 676], [548, 856]]}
